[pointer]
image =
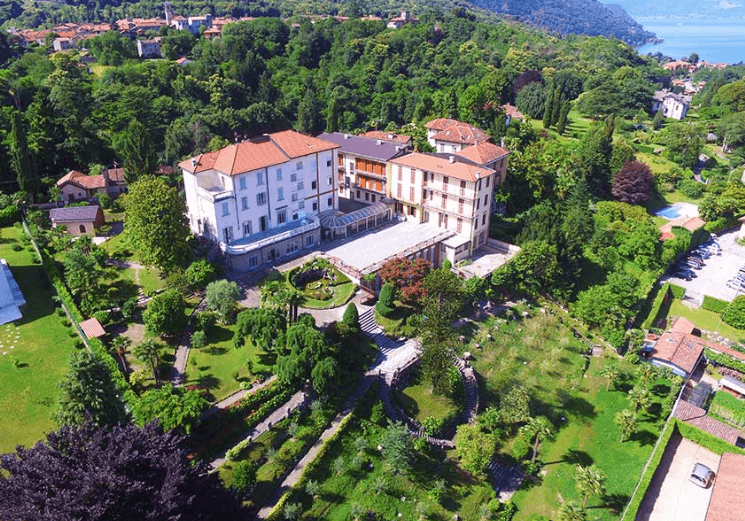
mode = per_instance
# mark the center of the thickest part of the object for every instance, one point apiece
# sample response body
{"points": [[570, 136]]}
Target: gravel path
{"points": [[230, 400]]}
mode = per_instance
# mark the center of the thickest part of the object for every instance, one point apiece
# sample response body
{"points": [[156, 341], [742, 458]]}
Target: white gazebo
{"points": [[11, 298]]}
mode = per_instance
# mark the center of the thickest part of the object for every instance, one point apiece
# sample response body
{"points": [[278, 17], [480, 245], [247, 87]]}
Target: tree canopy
{"points": [[125, 473]]}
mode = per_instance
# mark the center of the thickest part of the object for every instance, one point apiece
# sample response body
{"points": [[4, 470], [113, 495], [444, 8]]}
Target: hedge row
{"points": [[121, 383], [725, 360], [278, 510], [678, 291], [654, 460], [9, 215], [656, 305], [714, 304], [709, 441]]}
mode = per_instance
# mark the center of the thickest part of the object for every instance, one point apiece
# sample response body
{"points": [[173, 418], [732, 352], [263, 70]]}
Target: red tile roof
{"points": [[689, 223], [483, 153], [683, 325], [387, 136], [441, 164], [697, 417], [454, 131], [246, 156], [680, 349], [511, 111], [728, 496], [92, 328], [89, 182]]}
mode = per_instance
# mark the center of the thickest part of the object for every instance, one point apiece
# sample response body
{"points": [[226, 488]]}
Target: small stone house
{"points": [[80, 220]]}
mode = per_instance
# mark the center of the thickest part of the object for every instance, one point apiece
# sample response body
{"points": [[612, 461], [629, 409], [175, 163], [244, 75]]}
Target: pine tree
{"points": [[658, 120]]}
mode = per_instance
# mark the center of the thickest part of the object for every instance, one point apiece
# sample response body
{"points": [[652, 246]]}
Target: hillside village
{"points": [[354, 267]]}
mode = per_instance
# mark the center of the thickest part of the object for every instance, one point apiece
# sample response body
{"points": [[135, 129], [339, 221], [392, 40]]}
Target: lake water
{"points": [[715, 40]]}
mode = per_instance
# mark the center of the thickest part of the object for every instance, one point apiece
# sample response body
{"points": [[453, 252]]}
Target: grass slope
{"points": [[29, 393]]}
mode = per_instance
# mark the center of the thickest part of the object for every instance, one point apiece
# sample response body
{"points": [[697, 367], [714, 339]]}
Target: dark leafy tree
{"points": [[561, 123], [173, 408], [156, 224], [595, 152], [125, 473], [165, 313], [385, 305], [264, 326], [112, 48], [221, 296], [351, 316], [89, 394], [200, 273], [633, 184], [23, 160], [137, 147]]}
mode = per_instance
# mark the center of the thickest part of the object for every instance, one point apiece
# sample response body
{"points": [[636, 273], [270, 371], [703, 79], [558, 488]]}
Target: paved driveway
{"points": [[671, 497], [717, 270]]}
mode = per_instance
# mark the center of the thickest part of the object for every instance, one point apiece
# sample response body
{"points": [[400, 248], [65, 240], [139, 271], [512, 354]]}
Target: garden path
{"points": [[178, 371], [392, 354], [297, 471], [296, 401], [230, 400]]}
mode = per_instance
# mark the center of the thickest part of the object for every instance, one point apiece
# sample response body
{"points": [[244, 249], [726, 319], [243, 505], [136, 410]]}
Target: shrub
{"points": [[102, 317], [198, 339], [714, 304], [678, 291], [244, 476], [104, 200], [200, 273], [129, 309], [205, 321], [734, 315], [385, 304], [691, 188], [520, 448], [234, 452], [351, 316], [447, 265]]}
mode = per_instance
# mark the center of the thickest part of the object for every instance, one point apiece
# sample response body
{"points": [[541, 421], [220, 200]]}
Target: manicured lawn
{"points": [[419, 402], [707, 320], [338, 289], [118, 247], [342, 294], [541, 354], [394, 324], [40, 343], [214, 364]]}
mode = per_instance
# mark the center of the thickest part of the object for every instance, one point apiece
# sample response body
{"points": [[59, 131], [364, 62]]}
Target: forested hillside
{"points": [[573, 16]]}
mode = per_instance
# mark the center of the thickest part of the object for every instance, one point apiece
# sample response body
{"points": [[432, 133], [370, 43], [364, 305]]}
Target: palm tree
{"points": [[148, 351], [639, 397], [541, 429], [119, 346], [590, 482], [627, 423], [572, 511], [294, 298], [611, 374], [644, 372]]}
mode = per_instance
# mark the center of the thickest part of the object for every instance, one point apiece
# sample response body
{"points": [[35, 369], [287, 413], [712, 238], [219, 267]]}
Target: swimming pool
{"points": [[669, 212]]}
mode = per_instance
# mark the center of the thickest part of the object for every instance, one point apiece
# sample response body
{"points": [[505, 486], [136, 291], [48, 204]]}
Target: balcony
{"points": [[214, 194], [256, 241], [363, 172]]}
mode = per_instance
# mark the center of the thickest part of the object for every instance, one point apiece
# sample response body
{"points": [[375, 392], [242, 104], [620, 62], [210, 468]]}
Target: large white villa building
{"points": [[259, 199]]}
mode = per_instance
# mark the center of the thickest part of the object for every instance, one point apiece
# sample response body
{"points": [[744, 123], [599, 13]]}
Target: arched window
{"points": [[82, 228]]}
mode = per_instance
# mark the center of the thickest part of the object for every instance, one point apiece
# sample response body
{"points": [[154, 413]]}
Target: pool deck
{"points": [[676, 210]]}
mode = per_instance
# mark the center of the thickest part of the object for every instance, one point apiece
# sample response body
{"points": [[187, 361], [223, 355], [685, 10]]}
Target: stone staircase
{"points": [[472, 390]]}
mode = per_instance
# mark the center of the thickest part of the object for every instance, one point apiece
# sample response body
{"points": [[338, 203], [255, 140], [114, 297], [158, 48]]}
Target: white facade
{"points": [[248, 210]]}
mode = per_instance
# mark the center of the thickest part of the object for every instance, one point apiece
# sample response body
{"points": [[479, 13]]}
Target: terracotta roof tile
{"points": [[246, 156], [683, 325], [440, 163], [689, 223], [454, 131], [697, 417], [80, 179], [295, 144], [387, 136], [92, 328], [728, 496], [483, 153], [680, 349]]}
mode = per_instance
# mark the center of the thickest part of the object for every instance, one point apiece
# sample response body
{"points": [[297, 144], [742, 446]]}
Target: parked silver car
{"points": [[701, 475]]}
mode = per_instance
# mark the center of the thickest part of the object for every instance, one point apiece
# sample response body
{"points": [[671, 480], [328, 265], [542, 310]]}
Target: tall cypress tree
{"points": [[548, 109], [561, 125], [558, 102], [22, 160]]}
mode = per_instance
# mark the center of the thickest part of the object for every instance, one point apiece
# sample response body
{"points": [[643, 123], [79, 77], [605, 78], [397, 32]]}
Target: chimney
{"points": [[452, 159], [194, 162], [380, 141], [391, 136], [105, 175], [346, 136]]}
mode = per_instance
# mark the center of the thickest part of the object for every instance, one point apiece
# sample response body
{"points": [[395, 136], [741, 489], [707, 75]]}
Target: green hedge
{"points": [[654, 460], [714, 304], [709, 441], [656, 305], [678, 291], [725, 360]]}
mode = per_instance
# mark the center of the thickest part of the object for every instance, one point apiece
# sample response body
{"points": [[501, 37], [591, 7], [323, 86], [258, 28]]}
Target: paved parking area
{"points": [[671, 496], [717, 270]]}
